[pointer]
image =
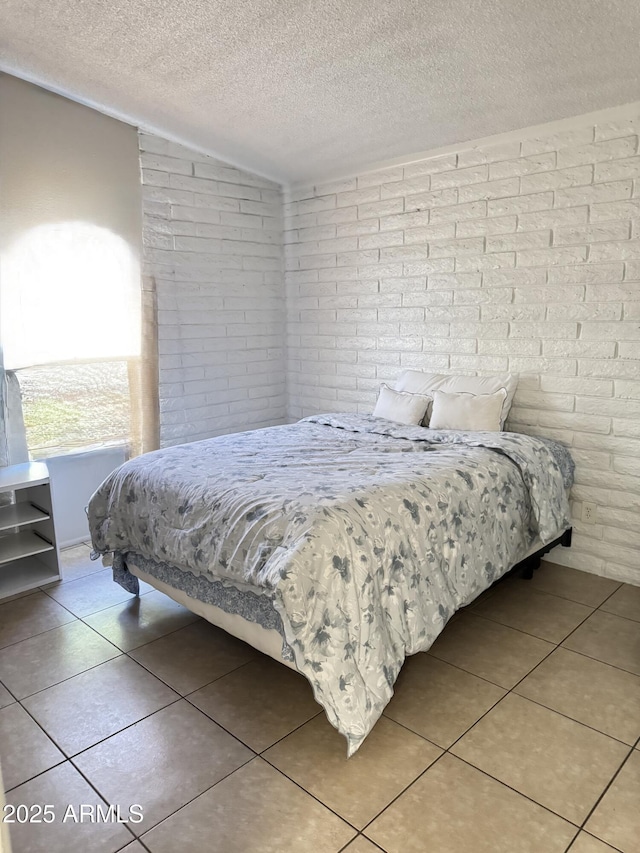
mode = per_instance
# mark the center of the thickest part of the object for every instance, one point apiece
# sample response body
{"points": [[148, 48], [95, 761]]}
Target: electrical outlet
{"points": [[589, 513]]}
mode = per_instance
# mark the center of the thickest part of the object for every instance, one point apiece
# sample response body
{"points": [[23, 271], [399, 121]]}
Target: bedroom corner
{"points": [[320, 427]]}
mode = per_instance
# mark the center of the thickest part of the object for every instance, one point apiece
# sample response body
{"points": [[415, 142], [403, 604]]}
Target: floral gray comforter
{"points": [[366, 535]]}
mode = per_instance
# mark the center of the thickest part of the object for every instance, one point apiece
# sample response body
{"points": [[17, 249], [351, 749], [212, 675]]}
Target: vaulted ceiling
{"points": [[308, 89]]}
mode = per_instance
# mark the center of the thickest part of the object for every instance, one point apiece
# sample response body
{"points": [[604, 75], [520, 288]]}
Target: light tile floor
{"points": [[518, 732]]}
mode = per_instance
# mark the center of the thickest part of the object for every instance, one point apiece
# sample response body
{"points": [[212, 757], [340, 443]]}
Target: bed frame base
{"points": [[527, 567]]}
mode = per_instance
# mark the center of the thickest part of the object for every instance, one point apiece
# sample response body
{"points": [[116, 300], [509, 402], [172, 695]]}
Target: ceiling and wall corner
{"points": [[304, 91]]}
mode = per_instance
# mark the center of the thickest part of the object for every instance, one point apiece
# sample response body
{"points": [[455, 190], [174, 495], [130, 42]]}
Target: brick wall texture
{"points": [[522, 256], [212, 243]]}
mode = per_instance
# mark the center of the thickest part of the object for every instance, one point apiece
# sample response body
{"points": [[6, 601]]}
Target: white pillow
{"points": [[467, 411], [417, 382], [400, 406]]}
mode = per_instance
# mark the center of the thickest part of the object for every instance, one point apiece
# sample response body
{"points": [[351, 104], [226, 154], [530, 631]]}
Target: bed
{"points": [[339, 544]]}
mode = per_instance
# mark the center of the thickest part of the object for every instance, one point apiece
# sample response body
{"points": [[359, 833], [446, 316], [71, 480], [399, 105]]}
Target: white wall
{"points": [[212, 240], [74, 478], [521, 256]]}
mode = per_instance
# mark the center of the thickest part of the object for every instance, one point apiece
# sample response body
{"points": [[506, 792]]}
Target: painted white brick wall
{"points": [[212, 238], [523, 256]]}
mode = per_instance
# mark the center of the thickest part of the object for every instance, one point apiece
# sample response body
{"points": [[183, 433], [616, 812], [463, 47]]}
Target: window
{"points": [[70, 329]]}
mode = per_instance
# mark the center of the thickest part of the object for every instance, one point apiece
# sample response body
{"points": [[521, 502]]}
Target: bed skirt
{"points": [[269, 640], [266, 640]]}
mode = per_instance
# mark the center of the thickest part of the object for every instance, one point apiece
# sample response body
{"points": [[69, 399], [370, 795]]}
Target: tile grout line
{"points": [[18, 597], [53, 741], [252, 758], [86, 779], [573, 841], [284, 737], [431, 764], [510, 580], [256, 754], [359, 832], [310, 794], [166, 683], [259, 755], [472, 612], [478, 770], [516, 791], [134, 648], [126, 653], [40, 634], [607, 786], [80, 752], [121, 653], [71, 759], [206, 790], [63, 581], [68, 678], [557, 646], [75, 618], [571, 633], [236, 737], [65, 760], [101, 609], [93, 787], [403, 791], [520, 696], [511, 691], [447, 750], [67, 756], [345, 849], [462, 669], [585, 832], [567, 717], [528, 633], [560, 644], [622, 583], [488, 618], [598, 660]]}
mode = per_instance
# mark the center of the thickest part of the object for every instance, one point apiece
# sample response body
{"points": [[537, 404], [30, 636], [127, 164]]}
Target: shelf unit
{"points": [[29, 554]]}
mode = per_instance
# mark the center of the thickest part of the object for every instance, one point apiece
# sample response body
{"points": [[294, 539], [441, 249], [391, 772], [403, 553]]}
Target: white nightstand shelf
{"points": [[16, 515], [28, 549]]}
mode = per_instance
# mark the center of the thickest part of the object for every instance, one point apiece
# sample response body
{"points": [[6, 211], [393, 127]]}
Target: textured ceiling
{"points": [[306, 89]]}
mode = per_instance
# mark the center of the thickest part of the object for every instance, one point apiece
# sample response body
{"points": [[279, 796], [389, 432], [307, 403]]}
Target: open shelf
{"points": [[24, 544], [28, 573], [23, 475], [28, 548], [19, 514]]}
